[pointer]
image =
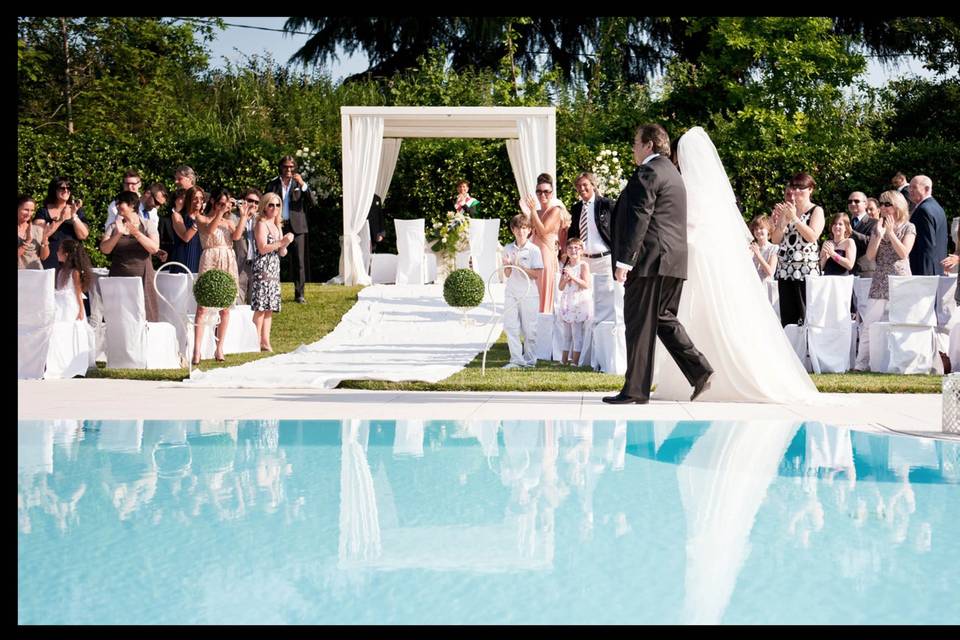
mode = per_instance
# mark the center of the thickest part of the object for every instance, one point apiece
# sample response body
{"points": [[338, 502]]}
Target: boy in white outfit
{"points": [[521, 303]]}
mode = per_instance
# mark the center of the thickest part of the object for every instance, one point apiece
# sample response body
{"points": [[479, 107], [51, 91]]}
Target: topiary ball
{"points": [[463, 288], [215, 289]]}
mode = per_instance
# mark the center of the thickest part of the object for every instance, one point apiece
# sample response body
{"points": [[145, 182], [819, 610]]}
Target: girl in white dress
{"points": [[73, 280], [576, 301]]}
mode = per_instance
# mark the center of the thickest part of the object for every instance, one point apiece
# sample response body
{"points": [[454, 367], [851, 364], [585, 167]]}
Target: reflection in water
{"points": [[512, 497]]}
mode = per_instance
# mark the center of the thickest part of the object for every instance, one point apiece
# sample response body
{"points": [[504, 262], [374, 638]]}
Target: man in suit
{"points": [[930, 247], [650, 254], [862, 224], [296, 198], [590, 221], [900, 183], [245, 246], [375, 218]]}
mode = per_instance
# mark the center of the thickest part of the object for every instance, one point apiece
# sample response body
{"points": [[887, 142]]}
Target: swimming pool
{"points": [[424, 522]]}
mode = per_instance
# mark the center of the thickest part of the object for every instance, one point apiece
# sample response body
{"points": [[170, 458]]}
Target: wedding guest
{"points": [[545, 221], [186, 242], [764, 252], [464, 202], [797, 226], [131, 182], [265, 276], [893, 238], [576, 301], [839, 254], [64, 217], [861, 238], [901, 184], [217, 233], [165, 230], [297, 198], [590, 221], [245, 245], [184, 177], [930, 223], [521, 296], [130, 242], [32, 245], [73, 280]]}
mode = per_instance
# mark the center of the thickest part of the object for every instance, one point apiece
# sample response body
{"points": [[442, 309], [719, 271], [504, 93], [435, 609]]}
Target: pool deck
{"points": [[101, 399]]}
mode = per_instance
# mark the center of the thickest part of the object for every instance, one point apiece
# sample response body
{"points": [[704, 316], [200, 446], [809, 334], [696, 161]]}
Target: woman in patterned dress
{"points": [[217, 233], [265, 290], [798, 223], [890, 245]]}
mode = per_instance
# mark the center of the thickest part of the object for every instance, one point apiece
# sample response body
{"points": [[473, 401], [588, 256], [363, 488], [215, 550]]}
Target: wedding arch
{"points": [[371, 144]]}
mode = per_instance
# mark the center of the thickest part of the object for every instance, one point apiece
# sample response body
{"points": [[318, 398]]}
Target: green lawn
{"points": [[303, 324]]}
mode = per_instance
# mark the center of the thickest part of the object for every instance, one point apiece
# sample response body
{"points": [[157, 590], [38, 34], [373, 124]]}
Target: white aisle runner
{"points": [[394, 332]]}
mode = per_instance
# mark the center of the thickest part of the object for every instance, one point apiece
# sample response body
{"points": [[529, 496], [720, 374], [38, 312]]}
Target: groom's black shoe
{"points": [[702, 385], [622, 398]]}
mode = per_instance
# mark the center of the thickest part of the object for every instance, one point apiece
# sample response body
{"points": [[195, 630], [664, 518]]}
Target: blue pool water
{"points": [[266, 522]]}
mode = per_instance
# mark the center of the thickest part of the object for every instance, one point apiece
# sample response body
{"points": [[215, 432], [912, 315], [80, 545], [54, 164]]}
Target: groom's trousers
{"points": [[650, 305]]}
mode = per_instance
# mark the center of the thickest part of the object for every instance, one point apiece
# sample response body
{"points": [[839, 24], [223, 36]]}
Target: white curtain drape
{"points": [[366, 142], [529, 154], [388, 164]]}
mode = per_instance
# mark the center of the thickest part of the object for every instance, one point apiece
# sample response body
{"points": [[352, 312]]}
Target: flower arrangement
{"points": [[309, 166], [215, 289], [609, 172], [450, 235], [463, 288]]}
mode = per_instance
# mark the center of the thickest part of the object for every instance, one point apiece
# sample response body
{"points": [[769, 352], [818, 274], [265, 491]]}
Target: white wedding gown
{"points": [[724, 306]]}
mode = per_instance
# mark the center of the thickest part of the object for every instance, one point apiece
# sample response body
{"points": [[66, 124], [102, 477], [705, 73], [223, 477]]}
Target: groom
{"points": [[650, 257]]}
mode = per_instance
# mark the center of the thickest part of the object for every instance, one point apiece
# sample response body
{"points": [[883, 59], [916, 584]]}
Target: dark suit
{"points": [[300, 200], [930, 247], [602, 215], [375, 218], [861, 238], [650, 234]]}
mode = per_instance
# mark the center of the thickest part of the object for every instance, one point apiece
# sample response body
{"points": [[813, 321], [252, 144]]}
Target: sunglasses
{"points": [[63, 187], [272, 205], [546, 191], [886, 204], [251, 201], [854, 201]]}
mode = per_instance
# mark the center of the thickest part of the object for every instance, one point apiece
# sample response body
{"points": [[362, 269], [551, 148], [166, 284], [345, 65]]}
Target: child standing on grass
{"points": [[576, 301], [521, 302]]}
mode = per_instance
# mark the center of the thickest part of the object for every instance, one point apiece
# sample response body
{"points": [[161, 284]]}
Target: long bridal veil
{"points": [[724, 307]]}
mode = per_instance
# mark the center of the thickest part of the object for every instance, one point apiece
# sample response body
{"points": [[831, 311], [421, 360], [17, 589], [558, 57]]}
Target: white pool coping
{"points": [[103, 399]]}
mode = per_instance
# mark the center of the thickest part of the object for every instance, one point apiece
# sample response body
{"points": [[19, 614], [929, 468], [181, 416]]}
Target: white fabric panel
{"points": [[366, 247], [96, 313], [829, 347], [462, 260], [411, 242], [383, 268], [71, 351], [36, 310], [912, 349], [379, 338], [545, 337], [558, 339], [946, 304], [484, 242], [241, 333], [534, 150], [609, 348], [408, 438], [360, 179], [388, 164], [773, 295], [132, 342], [913, 300], [954, 350], [861, 289], [879, 349], [828, 300], [525, 176], [798, 340], [431, 267]]}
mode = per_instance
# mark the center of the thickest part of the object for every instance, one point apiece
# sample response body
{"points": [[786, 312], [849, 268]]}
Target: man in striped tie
{"points": [[590, 221]]}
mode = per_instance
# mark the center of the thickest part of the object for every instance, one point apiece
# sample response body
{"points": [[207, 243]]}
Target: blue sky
{"points": [[235, 43]]}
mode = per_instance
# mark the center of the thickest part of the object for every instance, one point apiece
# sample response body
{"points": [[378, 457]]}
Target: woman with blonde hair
{"points": [[270, 247], [890, 244]]}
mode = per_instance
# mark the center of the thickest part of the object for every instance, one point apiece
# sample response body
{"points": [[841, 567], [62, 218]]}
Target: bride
{"points": [[723, 307]]}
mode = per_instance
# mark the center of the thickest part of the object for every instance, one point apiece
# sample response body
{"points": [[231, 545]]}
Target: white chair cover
{"points": [[861, 289], [132, 342], [242, 333], [71, 351], [36, 311], [608, 340], [431, 266], [947, 315], [913, 300], [96, 313], [545, 336], [383, 268], [911, 341], [954, 349], [176, 289], [823, 343], [411, 241]]}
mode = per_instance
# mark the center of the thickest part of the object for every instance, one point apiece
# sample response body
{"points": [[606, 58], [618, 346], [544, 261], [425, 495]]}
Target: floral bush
{"points": [[609, 172]]}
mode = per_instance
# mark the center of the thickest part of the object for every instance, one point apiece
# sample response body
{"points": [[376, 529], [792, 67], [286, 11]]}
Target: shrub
{"points": [[215, 289], [463, 288]]}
